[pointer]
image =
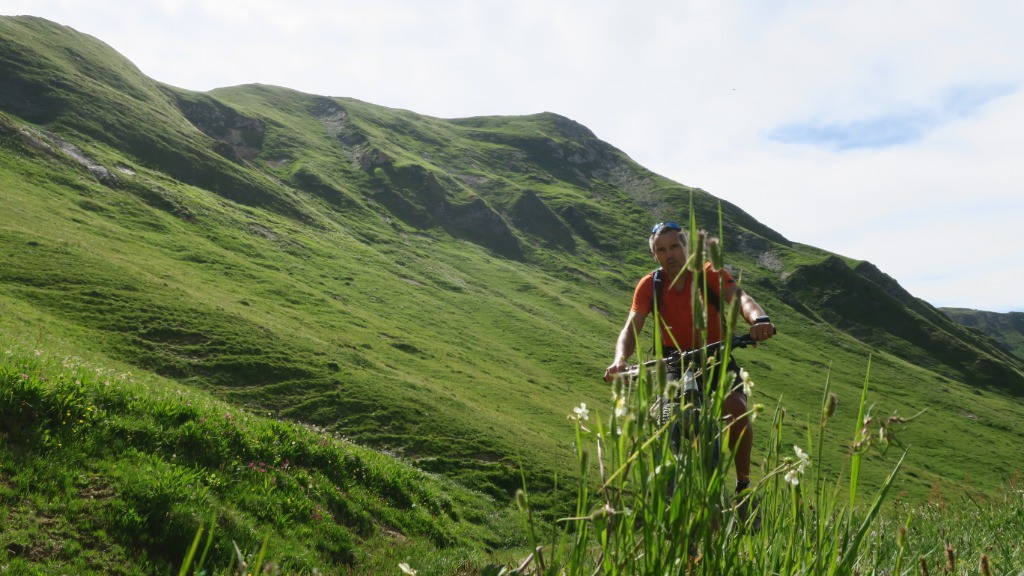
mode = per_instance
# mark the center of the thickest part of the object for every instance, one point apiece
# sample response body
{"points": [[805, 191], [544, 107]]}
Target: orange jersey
{"points": [[676, 308]]}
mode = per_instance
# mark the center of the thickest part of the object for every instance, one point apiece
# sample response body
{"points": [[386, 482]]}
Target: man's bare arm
{"points": [[751, 312], [625, 345]]}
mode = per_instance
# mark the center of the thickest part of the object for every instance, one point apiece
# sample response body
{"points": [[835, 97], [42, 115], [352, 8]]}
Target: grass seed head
{"points": [[715, 253], [521, 501], [697, 252]]}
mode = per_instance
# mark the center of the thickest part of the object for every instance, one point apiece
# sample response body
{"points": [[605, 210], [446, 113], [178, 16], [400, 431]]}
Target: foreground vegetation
{"points": [[656, 509], [106, 471], [796, 520]]}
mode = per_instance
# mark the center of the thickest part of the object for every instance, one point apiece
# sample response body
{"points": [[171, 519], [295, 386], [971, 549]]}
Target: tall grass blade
{"points": [[187, 563], [847, 563], [857, 437]]}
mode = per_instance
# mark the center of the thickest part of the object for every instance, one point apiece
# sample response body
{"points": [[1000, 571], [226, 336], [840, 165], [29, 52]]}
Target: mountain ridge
{"points": [[1006, 328]]}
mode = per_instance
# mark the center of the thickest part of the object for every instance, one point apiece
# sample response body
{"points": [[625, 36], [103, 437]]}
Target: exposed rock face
{"points": [[335, 120], [242, 135], [478, 222], [53, 144], [374, 158], [28, 99]]}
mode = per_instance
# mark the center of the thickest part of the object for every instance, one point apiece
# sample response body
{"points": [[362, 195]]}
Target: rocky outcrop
{"points": [[241, 135]]}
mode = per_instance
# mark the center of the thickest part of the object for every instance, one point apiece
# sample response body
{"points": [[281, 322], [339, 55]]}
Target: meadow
{"points": [[339, 337], [111, 470]]}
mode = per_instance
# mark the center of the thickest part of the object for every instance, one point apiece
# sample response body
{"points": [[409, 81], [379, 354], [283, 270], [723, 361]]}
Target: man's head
{"points": [[668, 246]]}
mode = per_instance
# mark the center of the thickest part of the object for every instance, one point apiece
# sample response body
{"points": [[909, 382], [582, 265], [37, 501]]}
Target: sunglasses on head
{"points": [[662, 226]]}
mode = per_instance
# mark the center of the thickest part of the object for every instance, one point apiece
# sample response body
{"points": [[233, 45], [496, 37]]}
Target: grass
{"points": [[654, 509], [334, 269], [115, 472], [630, 522], [297, 319], [110, 471]]}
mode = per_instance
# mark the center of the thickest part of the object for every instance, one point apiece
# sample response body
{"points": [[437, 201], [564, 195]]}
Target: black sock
{"points": [[742, 485]]}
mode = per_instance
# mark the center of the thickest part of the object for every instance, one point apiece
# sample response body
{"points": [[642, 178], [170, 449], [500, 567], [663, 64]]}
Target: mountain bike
{"points": [[690, 387], [690, 368]]}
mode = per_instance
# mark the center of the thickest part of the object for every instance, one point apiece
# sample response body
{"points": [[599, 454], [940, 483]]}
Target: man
{"points": [[680, 331]]}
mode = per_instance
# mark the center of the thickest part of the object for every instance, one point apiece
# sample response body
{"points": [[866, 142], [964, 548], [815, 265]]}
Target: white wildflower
{"points": [[748, 384], [620, 407], [581, 411], [793, 475], [758, 408], [406, 569]]}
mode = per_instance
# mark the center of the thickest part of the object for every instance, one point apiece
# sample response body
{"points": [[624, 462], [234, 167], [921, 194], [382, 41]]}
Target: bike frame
{"points": [[686, 418], [679, 358]]}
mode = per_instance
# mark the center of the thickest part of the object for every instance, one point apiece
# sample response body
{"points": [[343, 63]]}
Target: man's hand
{"points": [[616, 367], [762, 331]]}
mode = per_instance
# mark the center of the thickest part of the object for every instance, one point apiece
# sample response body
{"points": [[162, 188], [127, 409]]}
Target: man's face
{"points": [[669, 252]]}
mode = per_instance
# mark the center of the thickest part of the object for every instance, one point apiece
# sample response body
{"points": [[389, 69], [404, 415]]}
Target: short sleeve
{"points": [[643, 295], [717, 279]]}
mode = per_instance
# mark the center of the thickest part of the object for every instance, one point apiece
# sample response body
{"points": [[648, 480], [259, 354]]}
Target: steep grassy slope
{"points": [[446, 290], [106, 471]]}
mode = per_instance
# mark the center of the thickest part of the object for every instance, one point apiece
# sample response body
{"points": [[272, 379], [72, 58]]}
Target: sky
{"points": [[883, 130]]}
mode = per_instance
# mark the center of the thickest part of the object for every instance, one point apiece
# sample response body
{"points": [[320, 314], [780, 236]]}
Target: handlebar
{"points": [[678, 357]]}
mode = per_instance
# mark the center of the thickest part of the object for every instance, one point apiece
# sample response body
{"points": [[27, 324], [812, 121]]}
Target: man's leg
{"points": [[741, 434], [741, 440]]}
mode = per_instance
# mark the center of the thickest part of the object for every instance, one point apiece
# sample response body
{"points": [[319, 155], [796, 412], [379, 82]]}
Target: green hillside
{"points": [[442, 291]]}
